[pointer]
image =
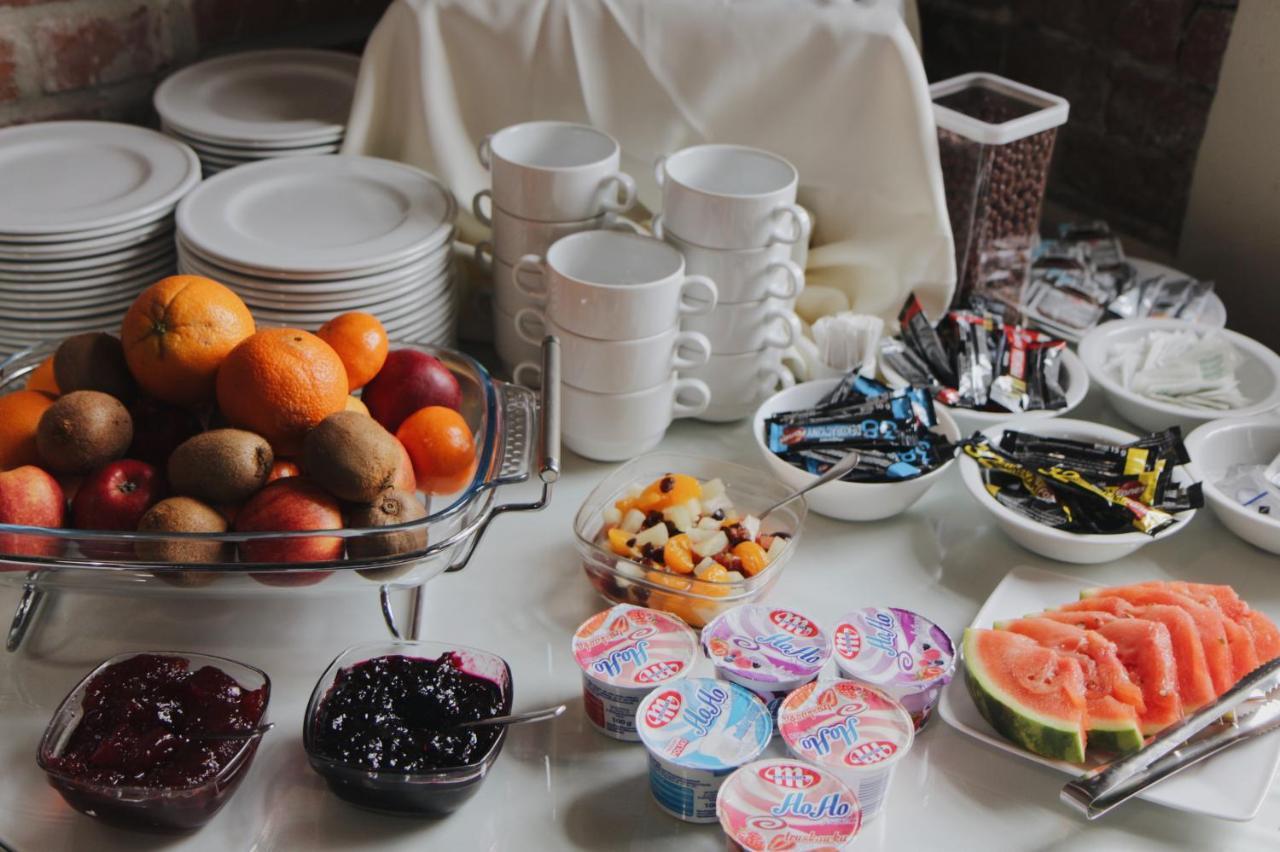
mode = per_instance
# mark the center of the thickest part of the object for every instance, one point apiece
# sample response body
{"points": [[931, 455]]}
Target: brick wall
{"points": [[102, 58], [1140, 76]]}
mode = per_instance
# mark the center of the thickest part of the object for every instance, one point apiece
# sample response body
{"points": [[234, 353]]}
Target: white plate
{"points": [[1231, 785], [430, 263], [267, 96], [40, 252], [119, 302], [323, 301], [242, 153], [89, 284], [62, 177], [265, 148], [61, 270], [306, 215], [223, 162], [397, 309]]}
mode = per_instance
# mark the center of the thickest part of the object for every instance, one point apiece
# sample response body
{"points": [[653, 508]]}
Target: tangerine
{"points": [[441, 447], [42, 378], [361, 343], [19, 416]]}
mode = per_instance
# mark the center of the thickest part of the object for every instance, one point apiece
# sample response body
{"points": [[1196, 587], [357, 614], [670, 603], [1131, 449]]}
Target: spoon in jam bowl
{"points": [[516, 718], [237, 735]]}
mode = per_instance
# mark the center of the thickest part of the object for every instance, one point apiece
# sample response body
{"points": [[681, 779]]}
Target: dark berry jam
{"points": [[399, 714], [145, 722]]}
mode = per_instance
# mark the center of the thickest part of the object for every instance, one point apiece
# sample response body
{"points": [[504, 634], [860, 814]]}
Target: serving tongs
{"points": [[1249, 709]]}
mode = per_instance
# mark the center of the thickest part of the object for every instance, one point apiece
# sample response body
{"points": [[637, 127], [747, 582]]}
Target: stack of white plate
{"points": [[306, 238], [86, 223], [259, 105]]}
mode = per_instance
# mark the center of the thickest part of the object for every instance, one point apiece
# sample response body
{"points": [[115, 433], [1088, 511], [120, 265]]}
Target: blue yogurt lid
{"points": [[704, 723]]}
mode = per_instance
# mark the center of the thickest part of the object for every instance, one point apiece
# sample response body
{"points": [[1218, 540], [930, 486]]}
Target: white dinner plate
{"points": [[40, 252], [386, 311], [63, 177], [223, 162], [434, 266], [88, 285], [118, 302], [307, 215], [1231, 785], [60, 270], [426, 287], [241, 154]]}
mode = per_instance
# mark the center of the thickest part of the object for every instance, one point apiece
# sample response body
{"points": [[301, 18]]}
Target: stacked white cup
{"points": [[616, 301], [731, 211], [548, 179]]}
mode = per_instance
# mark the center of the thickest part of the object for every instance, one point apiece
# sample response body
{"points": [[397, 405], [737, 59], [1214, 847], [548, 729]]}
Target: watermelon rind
{"points": [[1056, 739]]}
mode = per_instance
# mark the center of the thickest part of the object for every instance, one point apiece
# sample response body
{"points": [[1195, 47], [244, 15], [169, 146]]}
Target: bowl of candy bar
{"points": [[981, 369], [682, 534], [904, 443], [1080, 492]]}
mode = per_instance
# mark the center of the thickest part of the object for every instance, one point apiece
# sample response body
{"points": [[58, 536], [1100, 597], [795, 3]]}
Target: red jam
{"points": [[399, 714], [145, 721]]}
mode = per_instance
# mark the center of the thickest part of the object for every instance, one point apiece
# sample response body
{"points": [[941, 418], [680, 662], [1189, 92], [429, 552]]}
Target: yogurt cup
{"points": [[625, 652], [854, 730], [898, 651], [698, 730], [787, 804], [769, 650]]}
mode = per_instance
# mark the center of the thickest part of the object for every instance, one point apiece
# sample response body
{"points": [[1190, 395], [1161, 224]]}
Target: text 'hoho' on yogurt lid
{"points": [[847, 724], [632, 646], [766, 644], [787, 804], [894, 648], [704, 723]]}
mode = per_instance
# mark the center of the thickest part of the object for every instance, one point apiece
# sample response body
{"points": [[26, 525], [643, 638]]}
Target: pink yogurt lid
{"points": [[787, 804], [766, 644], [846, 724], [631, 646]]}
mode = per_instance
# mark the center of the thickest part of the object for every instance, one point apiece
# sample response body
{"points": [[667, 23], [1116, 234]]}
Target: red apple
{"points": [[158, 429], [116, 496], [408, 381], [294, 503], [30, 497]]}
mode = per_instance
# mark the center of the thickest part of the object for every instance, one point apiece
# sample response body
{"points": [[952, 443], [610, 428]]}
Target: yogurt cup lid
{"points": [[787, 804], [631, 646], [893, 648], [845, 724], [767, 645], [704, 723]]}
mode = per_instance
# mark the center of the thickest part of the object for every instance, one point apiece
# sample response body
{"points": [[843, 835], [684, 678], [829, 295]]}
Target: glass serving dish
{"points": [[424, 793], [171, 809], [622, 580], [514, 441]]}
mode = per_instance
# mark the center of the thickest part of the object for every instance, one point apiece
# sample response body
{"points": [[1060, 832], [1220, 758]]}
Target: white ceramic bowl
{"points": [[1222, 444], [845, 501], [1080, 548], [1075, 383], [1259, 375]]}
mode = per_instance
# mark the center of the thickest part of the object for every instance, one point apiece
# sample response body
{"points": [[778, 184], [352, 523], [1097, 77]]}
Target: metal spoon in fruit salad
{"points": [[516, 718], [837, 470]]}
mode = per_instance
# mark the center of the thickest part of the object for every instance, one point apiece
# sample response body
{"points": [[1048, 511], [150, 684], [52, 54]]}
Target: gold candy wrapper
{"points": [[1145, 518]]}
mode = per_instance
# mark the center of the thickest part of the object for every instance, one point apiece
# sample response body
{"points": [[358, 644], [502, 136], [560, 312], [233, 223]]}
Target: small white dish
{"points": [[1231, 785], [845, 501], [1258, 373], [1222, 444], [1079, 548]]}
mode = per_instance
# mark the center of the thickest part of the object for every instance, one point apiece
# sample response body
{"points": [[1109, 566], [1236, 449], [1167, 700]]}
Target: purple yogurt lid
{"points": [[894, 649], [766, 645]]}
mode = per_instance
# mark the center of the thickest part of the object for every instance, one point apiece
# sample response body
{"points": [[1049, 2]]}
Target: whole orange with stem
{"points": [[441, 447], [361, 343], [19, 416], [279, 383], [42, 378], [177, 333]]}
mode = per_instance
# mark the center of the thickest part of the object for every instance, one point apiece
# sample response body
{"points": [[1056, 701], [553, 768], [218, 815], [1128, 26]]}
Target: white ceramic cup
{"points": [[506, 298], [731, 197], [613, 286], [611, 366], [621, 426], [510, 345], [741, 275], [514, 237], [739, 383], [747, 327], [556, 171]]}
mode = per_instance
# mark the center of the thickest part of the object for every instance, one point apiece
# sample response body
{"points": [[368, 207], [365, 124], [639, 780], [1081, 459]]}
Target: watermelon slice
{"points": [[1031, 695], [1265, 636], [1195, 685], [1087, 618], [1112, 699], [1146, 652]]}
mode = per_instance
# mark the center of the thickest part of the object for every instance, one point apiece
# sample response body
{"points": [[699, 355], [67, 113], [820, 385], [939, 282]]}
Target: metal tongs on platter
{"points": [[1249, 709]]}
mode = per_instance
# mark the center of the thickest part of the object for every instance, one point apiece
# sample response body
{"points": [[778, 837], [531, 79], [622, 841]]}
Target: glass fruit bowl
{"points": [[623, 580]]}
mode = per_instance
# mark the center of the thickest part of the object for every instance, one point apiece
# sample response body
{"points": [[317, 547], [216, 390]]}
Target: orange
{"points": [[41, 378], [176, 334], [279, 383], [19, 416], [441, 448], [670, 490], [354, 404], [361, 343]]}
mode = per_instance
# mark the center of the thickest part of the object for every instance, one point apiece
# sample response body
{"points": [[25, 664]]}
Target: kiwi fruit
{"points": [[351, 456], [184, 515], [221, 467], [94, 361], [391, 508], [82, 431]]}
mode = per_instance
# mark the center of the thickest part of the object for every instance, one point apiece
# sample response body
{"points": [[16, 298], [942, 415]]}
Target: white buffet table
{"points": [[564, 786]]}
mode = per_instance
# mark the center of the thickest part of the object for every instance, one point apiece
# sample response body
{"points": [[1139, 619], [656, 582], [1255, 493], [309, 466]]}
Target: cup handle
{"points": [[791, 224], [700, 398], [616, 222], [660, 170], [523, 317], [791, 329], [618, 193], [530, 263], [698, 296], [485, 219], [692, 349], [484, 255], [485, 151], [771, 377], [523, 367], [792, 283], [657, 228]]}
